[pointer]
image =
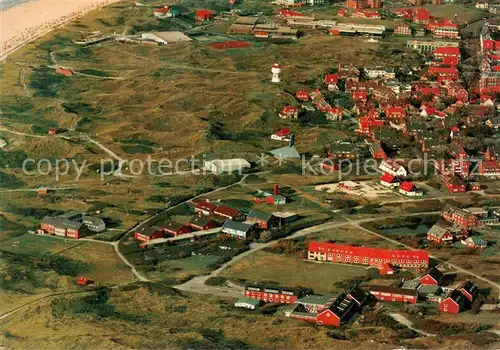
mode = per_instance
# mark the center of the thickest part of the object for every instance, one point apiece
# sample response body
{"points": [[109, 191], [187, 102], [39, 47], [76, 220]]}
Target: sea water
{"points": [[5, 4]]}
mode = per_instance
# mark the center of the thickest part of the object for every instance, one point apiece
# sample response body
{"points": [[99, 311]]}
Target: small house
{"points": [[440, 233], [469, 290], [247, 303], [261, 218], [201, 223], [236, 229], [475, 242], [392, 167], [302, 95], [289, 112], [147, 234], [389, 180], [407, 188], [94, 223], [282, 135], [203, 15], [205, 208], [432, 277], [175, 228], [453, 302]]}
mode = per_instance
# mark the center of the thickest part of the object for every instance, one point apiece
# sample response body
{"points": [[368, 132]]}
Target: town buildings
{"points": [[272, 294]]}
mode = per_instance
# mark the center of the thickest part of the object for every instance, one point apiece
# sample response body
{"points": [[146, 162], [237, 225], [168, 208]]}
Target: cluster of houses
{"points": [[458, 224], [230, 221], [338, 309], [327, 310], [72, 224]]}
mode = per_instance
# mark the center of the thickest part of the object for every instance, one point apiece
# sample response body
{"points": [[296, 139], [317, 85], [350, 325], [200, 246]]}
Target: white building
{"points": [[219, 166], [164, 38], [380, 72], [392, 167], [276, 70]]}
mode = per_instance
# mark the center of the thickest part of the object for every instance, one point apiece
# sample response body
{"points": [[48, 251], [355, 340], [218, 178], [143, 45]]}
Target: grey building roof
{"points": [[317, 299], [238, 226], [93, 220], [286, 152], [61, 223], [258, 214]]}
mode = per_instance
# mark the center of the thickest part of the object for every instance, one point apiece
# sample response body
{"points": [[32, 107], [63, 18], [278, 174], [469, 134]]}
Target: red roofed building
{"points": [[444, 29], [342, 13], [64, 71], [490, 154], [359, 96], [332, 252], [444, 73], [469, 290], [374, 4], [331, 79], [175, 229], [459, 217], [289, 112], [409, 189], [355, 4], [302, 95], [282, 135], [489, 168], [432, 277], [452, 303], [454, 184], [394, 294], [422, 16], [395, 113], [368, 123], [229, 213], [334, 113], [387, 269], [204, 208], [203, 15], [367, 14], [447, 51], [389, 180], [404, 13]]}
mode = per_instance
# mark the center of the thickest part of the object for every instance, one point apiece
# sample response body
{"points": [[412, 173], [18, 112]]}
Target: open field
{"points": [[105, 267], [292, 271]]}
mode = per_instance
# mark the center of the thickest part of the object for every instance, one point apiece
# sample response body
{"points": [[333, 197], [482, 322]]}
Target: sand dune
{"points": [[26, 22]]}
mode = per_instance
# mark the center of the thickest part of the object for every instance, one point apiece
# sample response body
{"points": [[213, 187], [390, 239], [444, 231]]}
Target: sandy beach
{"points": [[28, 21]]}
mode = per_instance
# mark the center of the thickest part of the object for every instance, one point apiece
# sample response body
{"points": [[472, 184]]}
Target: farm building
{"points": [[333, 252], [459, 217], [469, 290], [392, 167], [164, 38], [409, 189]]}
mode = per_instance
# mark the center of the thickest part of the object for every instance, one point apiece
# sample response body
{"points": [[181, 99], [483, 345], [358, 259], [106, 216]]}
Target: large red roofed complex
{"points": [[332, 252]]}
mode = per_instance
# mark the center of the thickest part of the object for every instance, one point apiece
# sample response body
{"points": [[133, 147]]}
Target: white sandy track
{"points": [[28, 21]]}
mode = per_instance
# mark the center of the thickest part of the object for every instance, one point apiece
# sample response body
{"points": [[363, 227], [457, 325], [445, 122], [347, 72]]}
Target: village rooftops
{"points": [[284, 214], [435, 274], [224, 210], [342, 306], [427, 289], [246, 20], [236, 225], [148, 231], [71, 215]]}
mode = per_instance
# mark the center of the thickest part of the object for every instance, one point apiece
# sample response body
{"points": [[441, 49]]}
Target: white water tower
{"points": [[276, 70]]}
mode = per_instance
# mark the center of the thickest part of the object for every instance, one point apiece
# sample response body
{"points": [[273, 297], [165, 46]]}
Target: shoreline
{"points": [[28, 21]]}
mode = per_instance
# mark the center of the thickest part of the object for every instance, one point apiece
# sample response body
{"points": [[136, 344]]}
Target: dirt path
{"points": [[403, 320]]}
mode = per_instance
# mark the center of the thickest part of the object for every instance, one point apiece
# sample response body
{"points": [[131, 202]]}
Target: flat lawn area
{"points": [[347, 234], [28, 243], [291, 271], [181, 269], [105, 266]]}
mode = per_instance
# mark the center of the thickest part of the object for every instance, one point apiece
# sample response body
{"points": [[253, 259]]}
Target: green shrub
{"points": [[12, 159], [9, 181], [135, 149], [215, 281], [47, 83]]}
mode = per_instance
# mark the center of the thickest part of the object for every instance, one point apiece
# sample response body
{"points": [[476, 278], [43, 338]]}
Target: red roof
{"points": [[387, 178], [206, 206], [447, 51], [395, 111], [443, 70], [283, 132], [203, 13], [289, 13], [331, 78], [227, 211], [302, 95], [359, 95], [422, 14], [390, 254], [289, 109], [407, 186], [162, 10]]}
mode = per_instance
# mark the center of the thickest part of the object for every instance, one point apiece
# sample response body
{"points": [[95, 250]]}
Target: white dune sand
{"points": [[28, 21]]}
